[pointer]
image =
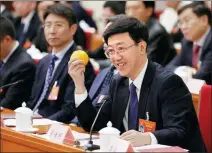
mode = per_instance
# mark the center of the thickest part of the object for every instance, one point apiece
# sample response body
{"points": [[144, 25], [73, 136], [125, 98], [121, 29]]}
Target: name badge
{"points": [[54, 92], [146, 125]]}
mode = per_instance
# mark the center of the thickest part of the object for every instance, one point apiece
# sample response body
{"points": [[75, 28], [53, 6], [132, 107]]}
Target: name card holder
{"points": [[61, 134], [119, 145]]}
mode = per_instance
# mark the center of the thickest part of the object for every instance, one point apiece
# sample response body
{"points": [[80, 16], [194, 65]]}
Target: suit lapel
{"points": [[62, 65], [145, 89], [207, 43], [122, 98], [98, 81], [10, 62]]}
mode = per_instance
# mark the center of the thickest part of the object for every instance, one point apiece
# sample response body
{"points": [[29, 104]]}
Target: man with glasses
{"points": [[142, 91], [195, 59], [53, 90]]}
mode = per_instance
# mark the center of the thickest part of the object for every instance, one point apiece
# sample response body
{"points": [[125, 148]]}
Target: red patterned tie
{"points": [[195, 56]]}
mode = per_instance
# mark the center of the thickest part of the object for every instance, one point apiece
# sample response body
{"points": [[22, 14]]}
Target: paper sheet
{"points": [[36, 122]]}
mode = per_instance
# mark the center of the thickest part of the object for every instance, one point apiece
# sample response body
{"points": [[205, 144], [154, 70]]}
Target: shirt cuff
{"points": [[154, 139], [79, 98]]}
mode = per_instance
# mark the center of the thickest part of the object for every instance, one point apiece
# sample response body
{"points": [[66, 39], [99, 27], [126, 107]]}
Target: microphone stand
{"points": [[90, 146]]}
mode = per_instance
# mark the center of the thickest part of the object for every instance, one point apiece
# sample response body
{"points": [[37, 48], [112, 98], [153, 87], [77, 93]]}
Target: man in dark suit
{"points": [[155, 93], [5, 12], [195, 21], [52, 73], [160, 46], [15, 65], [27, 22]]}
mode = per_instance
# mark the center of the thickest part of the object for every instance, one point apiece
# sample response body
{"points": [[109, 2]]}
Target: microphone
{"points": [[10, 84], [90, 146]]}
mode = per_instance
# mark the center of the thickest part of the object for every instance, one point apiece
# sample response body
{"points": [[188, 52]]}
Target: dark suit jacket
{"points": [[19, 66], [6, 13], [61, 109], [160, 47], [32, 30], [97, 84], [185, 59], [83, 15], [166, 98], [99, 53]]}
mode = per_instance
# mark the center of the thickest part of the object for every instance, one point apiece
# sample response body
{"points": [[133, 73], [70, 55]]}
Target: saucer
{"points": [[32, 130]]}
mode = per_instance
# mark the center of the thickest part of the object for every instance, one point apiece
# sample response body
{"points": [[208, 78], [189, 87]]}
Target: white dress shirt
{"points": [[26, 21], [79, 98]]}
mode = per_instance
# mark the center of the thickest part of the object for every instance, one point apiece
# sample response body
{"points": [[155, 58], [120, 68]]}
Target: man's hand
{"points": [[76, 70], [136, 138]]}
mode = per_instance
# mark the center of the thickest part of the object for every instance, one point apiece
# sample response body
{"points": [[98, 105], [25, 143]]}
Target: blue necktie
{"points": [[47, 81], [133, 108], [21, 34], [1, 66], [105, 84]]}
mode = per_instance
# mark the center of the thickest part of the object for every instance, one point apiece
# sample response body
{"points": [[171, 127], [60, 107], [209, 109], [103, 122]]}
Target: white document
{"points": [[195, 85], [36, 122]]}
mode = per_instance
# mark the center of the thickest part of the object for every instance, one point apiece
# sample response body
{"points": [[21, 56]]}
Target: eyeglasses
{"points": [[48, 26], [185, 21], [111, 51]]}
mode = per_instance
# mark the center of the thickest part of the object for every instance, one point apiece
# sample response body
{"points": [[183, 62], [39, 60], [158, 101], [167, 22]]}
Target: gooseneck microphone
{"points": [[90, 146], [11, 84]]}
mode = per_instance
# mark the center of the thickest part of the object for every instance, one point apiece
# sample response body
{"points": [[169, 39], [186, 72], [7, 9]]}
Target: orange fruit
{"points": [[81, 55]]}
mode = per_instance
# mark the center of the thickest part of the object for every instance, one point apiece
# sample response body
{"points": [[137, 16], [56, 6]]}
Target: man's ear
{"points": [[149, 11], [73, 29], [204, 20], [7, 39], [142, 45]]}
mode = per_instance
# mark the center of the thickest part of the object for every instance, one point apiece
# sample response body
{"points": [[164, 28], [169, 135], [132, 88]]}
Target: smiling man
{"points": [[52, 72], [142, 91]]}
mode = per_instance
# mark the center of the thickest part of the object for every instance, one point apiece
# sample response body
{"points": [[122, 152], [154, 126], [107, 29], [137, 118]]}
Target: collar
{"points": [[61, 53], [13, 49], [2, 7], [202, 39], [139, 79], [26, 20]]}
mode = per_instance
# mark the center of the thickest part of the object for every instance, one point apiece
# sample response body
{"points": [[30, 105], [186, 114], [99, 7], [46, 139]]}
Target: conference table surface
{"points": [[12, 141]]}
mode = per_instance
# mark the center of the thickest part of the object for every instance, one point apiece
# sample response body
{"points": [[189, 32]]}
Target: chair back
{"points": [[205, 117]]}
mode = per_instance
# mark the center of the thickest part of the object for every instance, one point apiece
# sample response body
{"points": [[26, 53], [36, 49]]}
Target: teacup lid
{"points": [[24, 109], [109, 129]]}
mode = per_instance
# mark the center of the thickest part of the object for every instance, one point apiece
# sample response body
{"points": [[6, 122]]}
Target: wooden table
{"points": [[195, 99], [12, 141]]}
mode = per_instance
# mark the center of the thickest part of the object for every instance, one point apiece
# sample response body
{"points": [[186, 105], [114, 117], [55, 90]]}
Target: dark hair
{"points": [[149, 4], [117, 7], [137, 30], [63, 11], [116, 17], [199, 10], [6, 28]]}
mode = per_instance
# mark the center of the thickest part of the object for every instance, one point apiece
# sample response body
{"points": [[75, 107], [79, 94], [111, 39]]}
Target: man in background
{"points": [[27, 22], [195, 59], [160, 46], [53, 90], [16, 66]]}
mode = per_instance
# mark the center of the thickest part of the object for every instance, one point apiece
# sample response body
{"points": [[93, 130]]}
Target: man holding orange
{"points": [[53, 90], [143, 93]]}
